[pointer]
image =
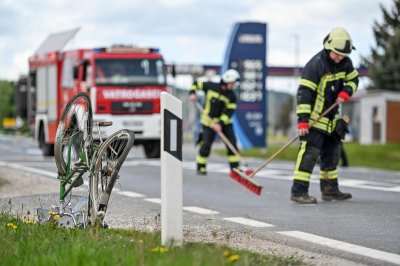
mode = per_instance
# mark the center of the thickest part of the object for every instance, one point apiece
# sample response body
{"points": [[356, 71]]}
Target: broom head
{"points": [[248, 183]]}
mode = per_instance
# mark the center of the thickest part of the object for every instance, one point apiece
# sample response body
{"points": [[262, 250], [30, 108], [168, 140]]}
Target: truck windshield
{"points": [[129, 72]]}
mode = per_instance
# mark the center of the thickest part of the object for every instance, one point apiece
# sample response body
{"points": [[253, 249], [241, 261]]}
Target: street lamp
{"points": [[296, 55]]}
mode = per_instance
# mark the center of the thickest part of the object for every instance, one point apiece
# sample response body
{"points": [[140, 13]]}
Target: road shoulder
{"points": [[25, 192]]}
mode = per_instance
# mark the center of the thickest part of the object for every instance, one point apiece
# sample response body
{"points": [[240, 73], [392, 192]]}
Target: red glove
{"points": [[302, 125], [344, 95]]}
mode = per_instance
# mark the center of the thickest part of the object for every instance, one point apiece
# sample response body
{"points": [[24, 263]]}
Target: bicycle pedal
{"points": [[80, 164], [80, 167]]}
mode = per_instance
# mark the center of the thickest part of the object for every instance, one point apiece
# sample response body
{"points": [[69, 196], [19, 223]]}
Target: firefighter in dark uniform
{"points": [[327, 78], [219, 106]]}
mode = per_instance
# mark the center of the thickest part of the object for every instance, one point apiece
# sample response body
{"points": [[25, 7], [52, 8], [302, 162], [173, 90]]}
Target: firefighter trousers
{"points": [[208, 139], [316, 146]]}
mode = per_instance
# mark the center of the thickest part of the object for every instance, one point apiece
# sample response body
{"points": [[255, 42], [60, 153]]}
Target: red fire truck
{"points": [[124, 84]]}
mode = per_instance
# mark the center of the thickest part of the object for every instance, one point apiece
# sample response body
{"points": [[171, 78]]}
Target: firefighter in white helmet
{"points": [[220, 104], [327, 78]]}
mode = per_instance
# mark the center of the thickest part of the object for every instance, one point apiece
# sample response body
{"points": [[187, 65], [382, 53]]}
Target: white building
{"points": [[379, 117]]}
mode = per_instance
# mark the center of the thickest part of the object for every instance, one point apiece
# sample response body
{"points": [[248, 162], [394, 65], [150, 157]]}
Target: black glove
{"points": [[342, 127]]}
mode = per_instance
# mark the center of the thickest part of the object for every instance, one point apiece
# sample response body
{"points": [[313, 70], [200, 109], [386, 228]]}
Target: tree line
{"points": [[384, 62]]}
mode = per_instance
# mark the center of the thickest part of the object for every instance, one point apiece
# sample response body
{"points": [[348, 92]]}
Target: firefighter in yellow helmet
{"points": [[220, 104], [327, 78]]}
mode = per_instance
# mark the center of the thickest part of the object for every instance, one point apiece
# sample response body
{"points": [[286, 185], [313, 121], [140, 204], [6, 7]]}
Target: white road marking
{"points": [[153, 200], [200, 210], [132, 163], [130, 194], [28, 169], [34, 151], [270, 172], [222, 168], [368, 252], [284, 174], [394, 189], [365, 184], [249, 222]]}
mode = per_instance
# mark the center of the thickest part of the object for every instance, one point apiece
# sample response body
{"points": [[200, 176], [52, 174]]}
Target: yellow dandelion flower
{"points": [[50, 212], [160, 250], [233, 258], [163, 250], [10, 225], [14, 227], [56, 217], [226, 253]]}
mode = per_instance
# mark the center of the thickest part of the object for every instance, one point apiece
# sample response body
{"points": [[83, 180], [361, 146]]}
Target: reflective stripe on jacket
{"points": [[219, 104], [320, 84]]}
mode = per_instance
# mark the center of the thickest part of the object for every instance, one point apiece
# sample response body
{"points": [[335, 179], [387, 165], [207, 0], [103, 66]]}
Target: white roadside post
{"points": [[171, 170]]}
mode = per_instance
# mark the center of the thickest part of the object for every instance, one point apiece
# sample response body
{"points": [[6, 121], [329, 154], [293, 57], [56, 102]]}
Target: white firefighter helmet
{"points": [[339, 41], [231, 75]]}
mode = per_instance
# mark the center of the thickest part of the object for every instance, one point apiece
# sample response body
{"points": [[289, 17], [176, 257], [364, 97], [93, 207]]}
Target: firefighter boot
{"points": [[300, 193], [303, 199], [201, 169], [330, 190]]}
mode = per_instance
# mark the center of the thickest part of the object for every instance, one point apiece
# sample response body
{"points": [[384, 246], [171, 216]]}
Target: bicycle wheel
{"points": [[108, 161], [76, 120]]}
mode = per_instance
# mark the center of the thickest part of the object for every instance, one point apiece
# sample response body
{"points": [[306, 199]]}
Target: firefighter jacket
{"points": [[219, 104], [321, 82]]}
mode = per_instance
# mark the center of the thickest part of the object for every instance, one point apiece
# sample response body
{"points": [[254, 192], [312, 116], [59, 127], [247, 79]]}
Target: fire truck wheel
{"points": [[152, 148], [47, 149]]}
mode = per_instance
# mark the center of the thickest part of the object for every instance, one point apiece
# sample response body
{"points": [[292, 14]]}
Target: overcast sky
{"points": [[186, 31]]}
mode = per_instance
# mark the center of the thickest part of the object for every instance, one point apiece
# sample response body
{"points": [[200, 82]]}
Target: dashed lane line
{"points": [[129, 194], [189, 208], [200, 210], [28, 169], [368, 252], [249, 222], [153, 200]]}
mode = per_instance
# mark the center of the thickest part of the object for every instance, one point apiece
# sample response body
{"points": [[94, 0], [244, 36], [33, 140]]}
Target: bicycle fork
{"points": [[105, 195]]}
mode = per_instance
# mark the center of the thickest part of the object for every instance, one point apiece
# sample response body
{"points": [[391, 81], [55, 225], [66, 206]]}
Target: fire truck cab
{"points": [[124, 84]]}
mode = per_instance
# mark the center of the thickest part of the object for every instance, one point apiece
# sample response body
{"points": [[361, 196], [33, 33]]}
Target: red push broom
{"points": [[242, 178], [249, 176]]}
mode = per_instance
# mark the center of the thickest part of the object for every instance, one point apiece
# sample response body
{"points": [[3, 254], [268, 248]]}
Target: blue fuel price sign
{"points": [[246, 53]]}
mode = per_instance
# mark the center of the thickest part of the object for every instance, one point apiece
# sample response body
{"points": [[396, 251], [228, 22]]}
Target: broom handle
{"points": [[291, 141], [222, 135]]}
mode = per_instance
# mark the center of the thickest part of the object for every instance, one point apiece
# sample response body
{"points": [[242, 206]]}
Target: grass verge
{"points": [[26, 243]]}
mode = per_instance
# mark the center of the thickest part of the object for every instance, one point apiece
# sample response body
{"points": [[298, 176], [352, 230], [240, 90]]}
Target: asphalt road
{"points": [[367, 226]]}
